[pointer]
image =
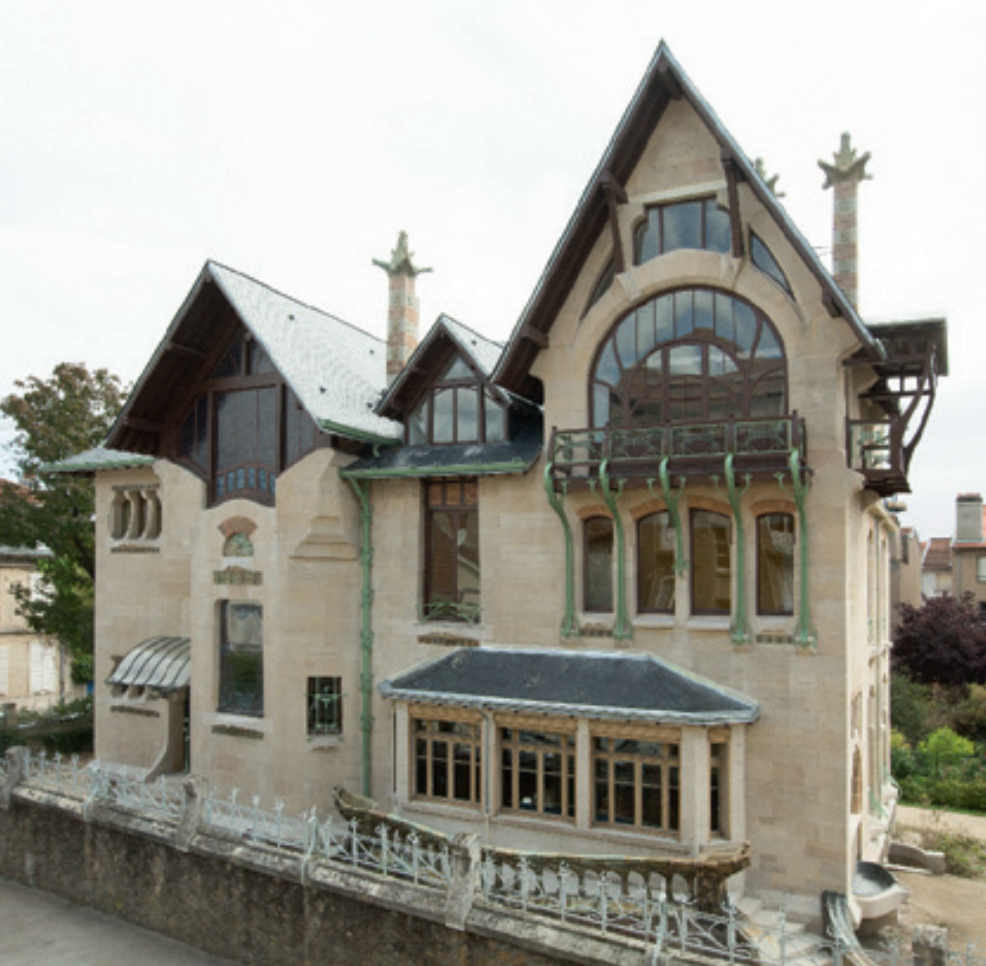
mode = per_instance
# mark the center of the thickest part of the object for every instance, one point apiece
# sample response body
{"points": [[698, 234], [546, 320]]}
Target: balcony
{"points": [[758, 447], [876, 449]]}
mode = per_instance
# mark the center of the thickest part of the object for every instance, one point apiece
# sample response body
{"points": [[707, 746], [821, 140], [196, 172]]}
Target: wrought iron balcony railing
{"points": [[756, 445]]}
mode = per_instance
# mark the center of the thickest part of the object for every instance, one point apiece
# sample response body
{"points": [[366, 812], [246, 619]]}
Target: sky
{"points": [[293, 141]]}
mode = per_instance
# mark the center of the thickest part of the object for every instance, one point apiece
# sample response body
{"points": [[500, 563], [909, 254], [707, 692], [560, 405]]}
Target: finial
{"points": [[401, 260], [770, 182], [847, 166]]}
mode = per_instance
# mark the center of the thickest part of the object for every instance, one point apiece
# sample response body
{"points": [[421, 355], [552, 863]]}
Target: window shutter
{"points": [[39, 676], [49, 677]]}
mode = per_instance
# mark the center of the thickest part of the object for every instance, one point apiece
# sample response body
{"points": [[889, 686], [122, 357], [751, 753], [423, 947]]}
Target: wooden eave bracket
{"points": [[733, 177], [615, 195], [533, 335]]}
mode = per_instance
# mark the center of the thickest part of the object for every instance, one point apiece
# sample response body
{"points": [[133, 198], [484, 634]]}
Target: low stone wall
{"points": [[253, 904]]}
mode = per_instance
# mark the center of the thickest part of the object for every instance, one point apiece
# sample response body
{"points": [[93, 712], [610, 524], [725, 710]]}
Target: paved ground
{"points": [[40, 929]]}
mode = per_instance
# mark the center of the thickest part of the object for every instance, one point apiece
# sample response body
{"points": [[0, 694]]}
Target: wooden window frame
{"points": [[511, 741], [660, 210], [430, 736], [670, 771], [468, 504]]}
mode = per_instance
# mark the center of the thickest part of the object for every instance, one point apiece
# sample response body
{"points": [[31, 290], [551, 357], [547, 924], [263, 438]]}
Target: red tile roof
{"points": [[938, 556]]}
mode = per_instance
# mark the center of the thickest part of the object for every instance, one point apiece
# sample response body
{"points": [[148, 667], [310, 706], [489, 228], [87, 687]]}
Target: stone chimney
{"points": [[845, 174], [402, 309], [969, 518]]}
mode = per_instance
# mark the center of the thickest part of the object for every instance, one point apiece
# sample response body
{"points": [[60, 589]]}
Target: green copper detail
{"points": [[569, 624], [740, 631], [804, 634], [622, 628], [362, 491], [671, 498]]}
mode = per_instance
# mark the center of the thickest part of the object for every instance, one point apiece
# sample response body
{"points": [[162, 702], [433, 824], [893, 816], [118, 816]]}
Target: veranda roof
{"points": [[588, 684]]}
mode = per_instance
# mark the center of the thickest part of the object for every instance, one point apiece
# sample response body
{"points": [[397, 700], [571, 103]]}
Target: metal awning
{"points": [[162, 664]]}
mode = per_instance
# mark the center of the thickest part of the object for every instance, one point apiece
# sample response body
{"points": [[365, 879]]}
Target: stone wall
{"points": [[242, 901]]}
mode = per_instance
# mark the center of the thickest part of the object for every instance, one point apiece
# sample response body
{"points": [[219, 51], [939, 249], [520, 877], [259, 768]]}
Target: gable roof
{"points": [[663, 82], [594, 684], [428, 356], [335, 369], [938, 555]]}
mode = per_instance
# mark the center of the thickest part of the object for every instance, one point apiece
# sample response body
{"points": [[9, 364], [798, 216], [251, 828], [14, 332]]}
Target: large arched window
{"points": [[691, 355]]}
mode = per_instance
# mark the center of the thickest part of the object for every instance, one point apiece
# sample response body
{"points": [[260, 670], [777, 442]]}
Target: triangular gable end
{"points": [[333, 369], [663, 83], [446, 341]]}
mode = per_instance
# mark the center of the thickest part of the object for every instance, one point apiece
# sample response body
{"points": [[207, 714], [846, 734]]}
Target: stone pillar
{"points": [[466, 856], [844, 175], [16, 773], [402, 309]]}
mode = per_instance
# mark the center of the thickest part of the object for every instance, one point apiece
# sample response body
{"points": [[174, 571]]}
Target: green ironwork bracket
{"points": [[671, 498], [362, 491], [569, 623], [740, 631], [622, 628], [804, 634]]}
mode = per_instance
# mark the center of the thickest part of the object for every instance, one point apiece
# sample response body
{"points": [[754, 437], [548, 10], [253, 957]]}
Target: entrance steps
{"points": [[781, 940]]}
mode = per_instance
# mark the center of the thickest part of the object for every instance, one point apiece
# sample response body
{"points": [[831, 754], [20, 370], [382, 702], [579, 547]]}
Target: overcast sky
{"points": [[293, 141]]}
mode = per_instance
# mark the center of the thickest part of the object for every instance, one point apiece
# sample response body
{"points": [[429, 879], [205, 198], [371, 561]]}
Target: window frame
{"points": [[588, 586], [568, 776], [981, 568], [325, 690], [761, 519], [458, 512], [654, 220], [432, 718], [672, 573], [669, 767], [228, 689], [696, 574]]}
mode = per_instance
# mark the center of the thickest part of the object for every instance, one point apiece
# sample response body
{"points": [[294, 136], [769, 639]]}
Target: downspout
{"points": [[671, 498], [569, 624], [804, 634], [740, 633], [622, 629], [362, 491]]}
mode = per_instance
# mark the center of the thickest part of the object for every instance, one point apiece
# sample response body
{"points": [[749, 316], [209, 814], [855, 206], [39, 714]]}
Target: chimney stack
{"points": [[969, 518], [845, 174], [402, 310]]}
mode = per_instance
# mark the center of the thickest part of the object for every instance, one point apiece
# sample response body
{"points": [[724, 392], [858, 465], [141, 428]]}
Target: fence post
{"points": [[196, 789], [16, 773], [466, 855]]}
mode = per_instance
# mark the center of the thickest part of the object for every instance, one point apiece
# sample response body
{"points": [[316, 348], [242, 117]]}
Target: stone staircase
{"points": [[781, 940]]}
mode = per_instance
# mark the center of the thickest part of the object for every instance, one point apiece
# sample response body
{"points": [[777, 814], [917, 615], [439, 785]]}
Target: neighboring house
{"points": [[969, 547], [906, 573], [34, 673], [936, 568], [621, 585]]}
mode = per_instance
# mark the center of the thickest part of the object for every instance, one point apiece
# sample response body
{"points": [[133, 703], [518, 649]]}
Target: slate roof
{"points": [[592, 684], [162, 664], [335, 369]]}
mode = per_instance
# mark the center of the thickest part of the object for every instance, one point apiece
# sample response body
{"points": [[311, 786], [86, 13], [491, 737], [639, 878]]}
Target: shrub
{"points": [[945, 747]]}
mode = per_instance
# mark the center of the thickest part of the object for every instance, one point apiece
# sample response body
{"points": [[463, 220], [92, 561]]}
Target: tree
{"points": [[942, 642], [53, 419]]}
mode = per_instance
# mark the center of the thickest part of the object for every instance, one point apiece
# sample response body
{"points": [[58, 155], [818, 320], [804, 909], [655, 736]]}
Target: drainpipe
{"points": [[362, 491], [569, 623], [804, 634], [622, 628]]}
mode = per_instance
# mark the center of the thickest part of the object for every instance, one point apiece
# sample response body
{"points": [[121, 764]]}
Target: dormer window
{"points": [[245, 427], [699, 224], [457, 408]]}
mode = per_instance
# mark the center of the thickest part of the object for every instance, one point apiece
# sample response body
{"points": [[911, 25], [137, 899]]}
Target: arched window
{"points": [[692, 355]]}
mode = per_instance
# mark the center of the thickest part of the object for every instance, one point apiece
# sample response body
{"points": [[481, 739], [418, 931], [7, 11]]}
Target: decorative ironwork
{"points": [[556, 500], [450, 610]]}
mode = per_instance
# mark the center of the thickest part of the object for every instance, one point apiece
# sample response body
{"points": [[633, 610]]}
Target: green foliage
{"points": [[65, 729], [969, 713], [55, 418], [945, 747], [910, 707]]}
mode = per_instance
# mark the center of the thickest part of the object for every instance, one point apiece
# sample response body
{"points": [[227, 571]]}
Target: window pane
{"points": [[417, 425], [710, 560], [495, 420], [648, 237], [682, 226], [443, 428], [599, 565], [267, 426], [467, 569], [467, 417], [775, 564], [442, 571], [717, 228], [655, 564], [241, 670]]}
